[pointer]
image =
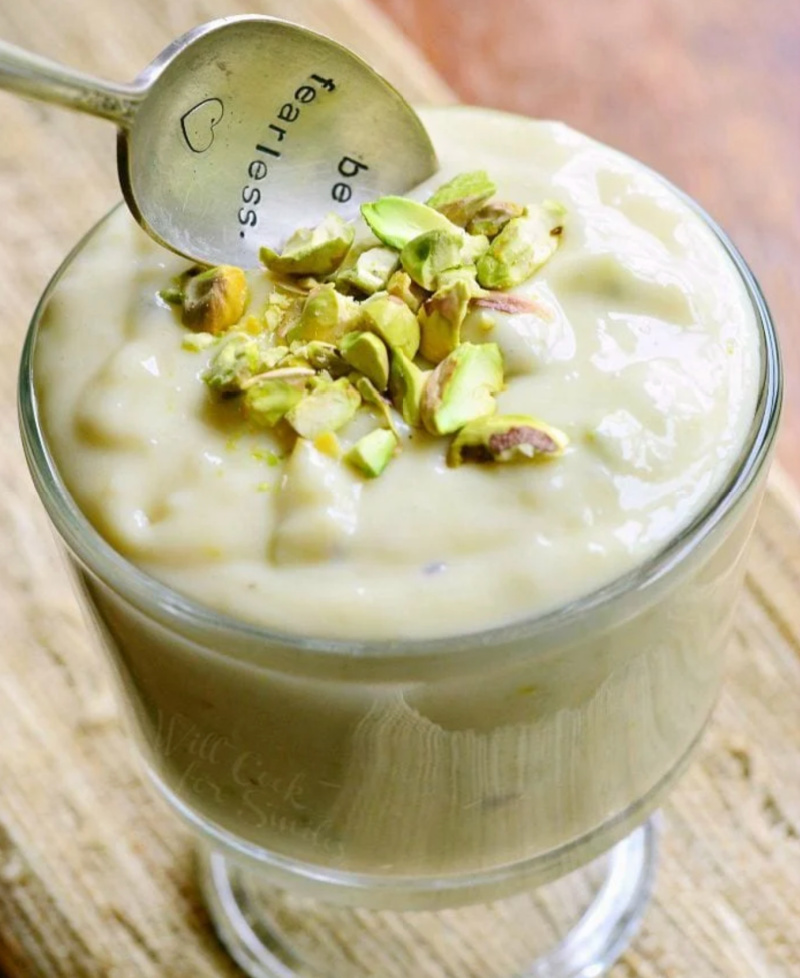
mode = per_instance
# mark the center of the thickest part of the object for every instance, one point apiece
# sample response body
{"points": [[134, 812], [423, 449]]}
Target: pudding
{"points": [[418, 673]]}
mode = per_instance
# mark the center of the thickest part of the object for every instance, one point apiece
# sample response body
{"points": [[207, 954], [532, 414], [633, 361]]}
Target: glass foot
{"points": [[575, 927]]}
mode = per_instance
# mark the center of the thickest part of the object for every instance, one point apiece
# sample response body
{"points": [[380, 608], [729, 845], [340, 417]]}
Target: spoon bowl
{"points": [[243, 130]]}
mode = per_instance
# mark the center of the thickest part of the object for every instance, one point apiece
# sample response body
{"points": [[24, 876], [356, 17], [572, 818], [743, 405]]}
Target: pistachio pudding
{"points": [[419, 544]]}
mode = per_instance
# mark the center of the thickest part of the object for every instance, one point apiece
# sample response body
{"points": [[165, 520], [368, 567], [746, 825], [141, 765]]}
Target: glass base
{"points": [[575, 927]]}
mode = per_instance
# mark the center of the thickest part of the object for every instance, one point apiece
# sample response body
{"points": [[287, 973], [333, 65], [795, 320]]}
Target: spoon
{"points": [[242, 131]]}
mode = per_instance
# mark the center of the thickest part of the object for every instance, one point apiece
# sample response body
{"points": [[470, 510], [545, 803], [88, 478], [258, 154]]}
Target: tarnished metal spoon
{"points": [[241, 131]]}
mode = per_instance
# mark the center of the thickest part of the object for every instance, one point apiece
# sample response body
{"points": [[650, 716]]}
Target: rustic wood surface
{"points": [[95, 875]]}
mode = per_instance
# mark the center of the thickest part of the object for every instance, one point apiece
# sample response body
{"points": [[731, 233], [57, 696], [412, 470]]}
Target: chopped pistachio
{"points": [[511, 303], [198, 341], [322, 356], [393, 321], [400, 285], [266, 402], [372, 453], [172, 294], [279, 304], [473, 248], [371, 270], [506, 438], [327, 407], [462, 197], [492, 218], [398, 220], [327, 315], [406, 385], [240, 358], [522, 247], [317, 251], [371, 395], [440, 320], [368, 354], [430, 254], [461, 388], [215, 300]]}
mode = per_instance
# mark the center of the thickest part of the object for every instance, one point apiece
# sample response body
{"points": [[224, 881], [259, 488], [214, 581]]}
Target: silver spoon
{"points": [[242, 131]]}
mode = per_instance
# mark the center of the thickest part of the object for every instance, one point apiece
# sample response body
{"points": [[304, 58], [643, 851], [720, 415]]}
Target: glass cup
{"points": [[463, 806]]}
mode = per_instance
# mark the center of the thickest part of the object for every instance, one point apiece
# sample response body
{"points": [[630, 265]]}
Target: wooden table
{"points": [[95, 876]]}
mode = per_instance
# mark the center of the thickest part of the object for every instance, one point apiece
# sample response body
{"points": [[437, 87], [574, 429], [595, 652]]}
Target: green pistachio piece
{"points": [[392, 320], [372, 453], [317, 251], [430, 254], [522, 247], [368, 354], [370, 272], [371, 395], [216, 299], [322, 356], [267, 401], [461, 388], [506, 438], [462, 197], [400, 285], [172, 294], [327, 407], [473, 248], [440, 320], [280, 305], [197, 342], [327, 315], [406, 384], [398, 220], [240, 358], [491, 219]]}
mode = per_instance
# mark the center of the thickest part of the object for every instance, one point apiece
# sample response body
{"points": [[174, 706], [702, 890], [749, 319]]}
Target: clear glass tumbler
{"points": [[469, 806]]}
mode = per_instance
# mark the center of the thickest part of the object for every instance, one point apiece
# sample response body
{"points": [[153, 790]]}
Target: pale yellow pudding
{"points": [[641, 345]]}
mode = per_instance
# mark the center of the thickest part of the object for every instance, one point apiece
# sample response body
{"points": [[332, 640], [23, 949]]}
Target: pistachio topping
{"points": [[522, 247], [268, 401], [506, 438], [368, 354], [406, 385], [440, 320], [398, 220], [428, 255], [372, 453], [400, 285], [239, 358], [370, 272], [392, 320], [317, 251], [354, 325], [461, 198], [461, 388], [372, 396], [216, 299], [326, 315], [328, 406], [492, 218]]}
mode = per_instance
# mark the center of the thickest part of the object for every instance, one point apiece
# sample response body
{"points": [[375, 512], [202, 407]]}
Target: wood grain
{"points": [[96, 877], [706, 91]]}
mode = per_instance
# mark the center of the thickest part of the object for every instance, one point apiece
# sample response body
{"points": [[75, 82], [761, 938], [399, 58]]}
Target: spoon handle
{"points": [[47, 81]]}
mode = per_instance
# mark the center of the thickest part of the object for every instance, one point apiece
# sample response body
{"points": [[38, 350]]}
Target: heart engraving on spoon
{"points": [[199, 122]]}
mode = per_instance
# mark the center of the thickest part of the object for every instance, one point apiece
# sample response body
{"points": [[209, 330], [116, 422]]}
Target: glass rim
{"points": [[175, 609]]}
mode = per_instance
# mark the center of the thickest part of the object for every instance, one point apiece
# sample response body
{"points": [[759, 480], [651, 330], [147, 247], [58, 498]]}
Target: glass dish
{"points": [[349, 796]]}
